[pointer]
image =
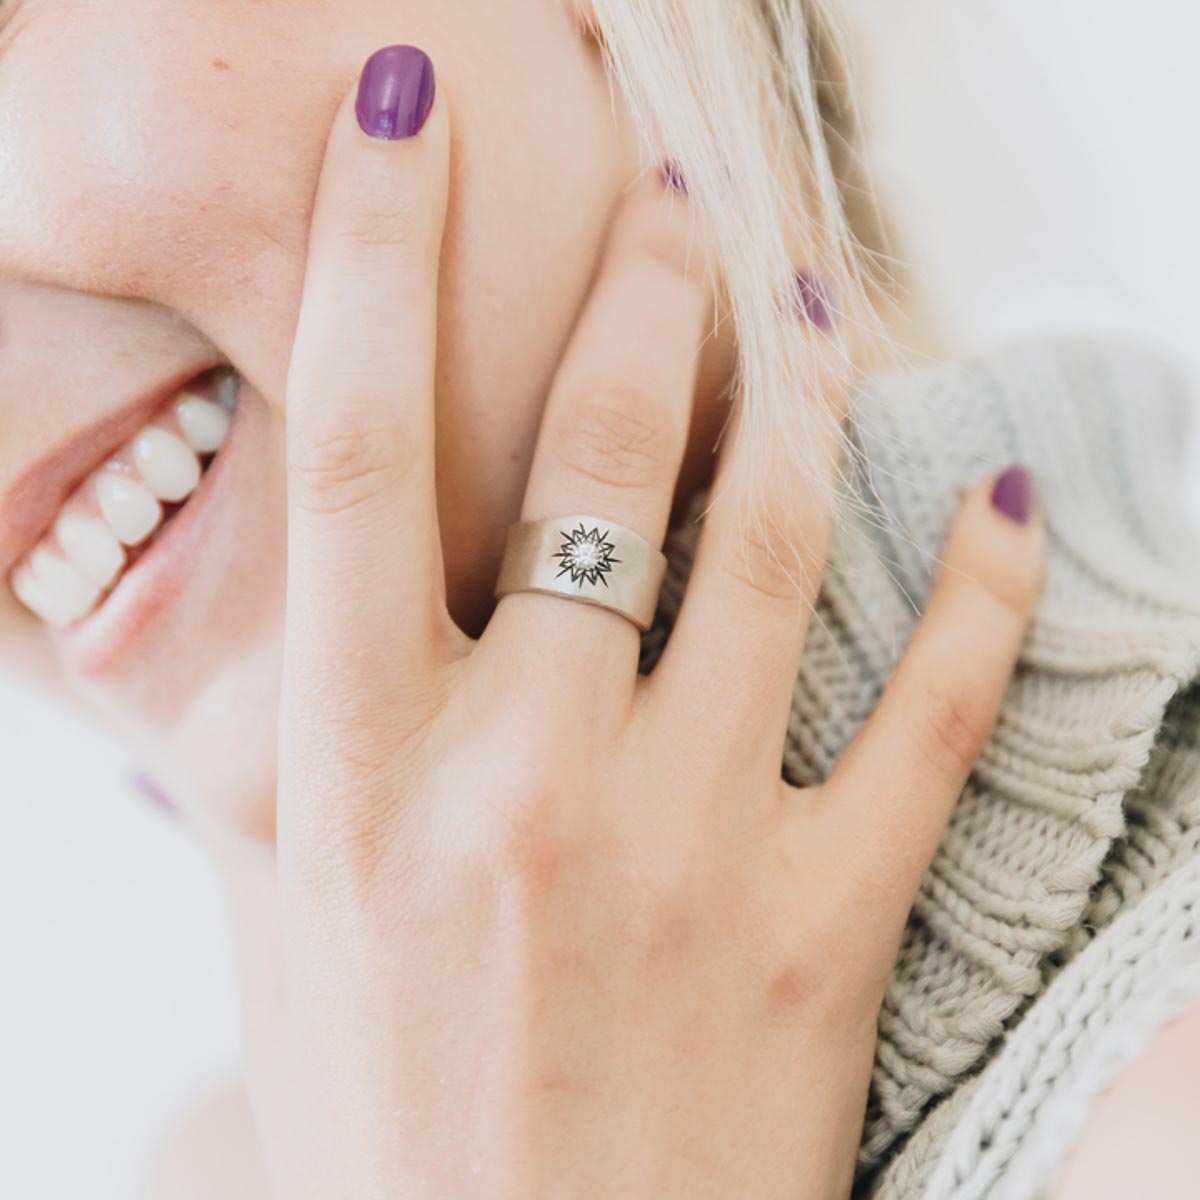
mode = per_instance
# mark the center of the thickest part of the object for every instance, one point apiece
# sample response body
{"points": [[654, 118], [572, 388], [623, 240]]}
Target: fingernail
{"points": [[395, 93], [673, 177], [144, 784], [814, 298], [1014, 494]]}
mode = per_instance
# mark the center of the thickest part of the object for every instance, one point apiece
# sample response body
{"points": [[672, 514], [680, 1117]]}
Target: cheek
{"points": [[181, 168], [178, 165], [153, 181]]}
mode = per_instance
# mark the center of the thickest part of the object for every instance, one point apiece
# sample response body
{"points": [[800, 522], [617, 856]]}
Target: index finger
{"points": [[365, 586]]}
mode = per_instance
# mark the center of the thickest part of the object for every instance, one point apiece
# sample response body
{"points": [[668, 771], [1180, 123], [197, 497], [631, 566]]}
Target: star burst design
{"points": [[587, 555]]}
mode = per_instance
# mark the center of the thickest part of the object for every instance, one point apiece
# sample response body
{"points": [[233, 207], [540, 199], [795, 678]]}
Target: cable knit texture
{"points": [[1070, 855]]}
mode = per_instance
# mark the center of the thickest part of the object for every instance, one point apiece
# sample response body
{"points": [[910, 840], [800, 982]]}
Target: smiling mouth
{"points": [[117, 512]]}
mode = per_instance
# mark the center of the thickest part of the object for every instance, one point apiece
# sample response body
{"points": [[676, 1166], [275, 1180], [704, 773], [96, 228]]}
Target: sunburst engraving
{"points": [[586, 555]]}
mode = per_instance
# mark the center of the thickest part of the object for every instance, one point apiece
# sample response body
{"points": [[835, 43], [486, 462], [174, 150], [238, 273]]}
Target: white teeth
{"points": [[167, 464], [64, 593], [204, 423], [32, 594], [132, 511], [64, 578], [90, 547]]}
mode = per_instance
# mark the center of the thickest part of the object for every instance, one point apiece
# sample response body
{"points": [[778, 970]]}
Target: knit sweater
{"points": [[1059, 923]]}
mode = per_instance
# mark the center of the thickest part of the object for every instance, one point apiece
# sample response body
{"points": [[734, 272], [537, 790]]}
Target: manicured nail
{"points": [[814, 298], [1014, 494], [395, 93], [673, 177], [144, 784]]}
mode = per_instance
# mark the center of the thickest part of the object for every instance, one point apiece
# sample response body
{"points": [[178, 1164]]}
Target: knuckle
{"points": [[527, 843], [333, 850], [334, 864], [349, 837], [612, 438], [951, 727], [793, 990], [821, 974], [340, 465], [790, 964], [774, 573], [667, 920], [382, 214], [1009, 593]]}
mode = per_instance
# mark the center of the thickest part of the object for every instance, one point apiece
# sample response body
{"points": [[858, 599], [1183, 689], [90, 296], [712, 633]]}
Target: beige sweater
{"points": [[1059, 922]]}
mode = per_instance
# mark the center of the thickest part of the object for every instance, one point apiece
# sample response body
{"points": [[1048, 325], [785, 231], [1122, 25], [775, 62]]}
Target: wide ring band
{"points": [[587, 559]]}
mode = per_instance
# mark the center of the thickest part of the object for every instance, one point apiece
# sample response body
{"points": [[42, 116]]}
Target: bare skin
{"points": [[204, 140], [228, 256], [547, 927], [1138, 1141]]}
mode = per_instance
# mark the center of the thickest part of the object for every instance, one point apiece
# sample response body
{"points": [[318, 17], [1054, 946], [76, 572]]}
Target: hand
{"points": [[553, 929]]}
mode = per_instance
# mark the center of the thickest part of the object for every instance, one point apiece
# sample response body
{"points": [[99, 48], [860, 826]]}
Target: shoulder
{"points": [[1140, 1138]]}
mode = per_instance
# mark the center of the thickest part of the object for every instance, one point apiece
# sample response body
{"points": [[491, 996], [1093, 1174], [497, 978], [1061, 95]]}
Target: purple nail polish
{"points": [[673, 177], [144, 784], [395, 93], [1014, 494], [814, 298]]}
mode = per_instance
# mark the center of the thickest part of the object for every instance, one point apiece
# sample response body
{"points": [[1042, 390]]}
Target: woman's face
{"points": [[158, 161]]}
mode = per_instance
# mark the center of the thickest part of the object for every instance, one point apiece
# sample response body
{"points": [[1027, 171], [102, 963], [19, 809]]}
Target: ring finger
{"points": [[616, 423]]}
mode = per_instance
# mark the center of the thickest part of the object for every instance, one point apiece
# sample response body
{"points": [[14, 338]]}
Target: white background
{"points": [[1040, 158]]}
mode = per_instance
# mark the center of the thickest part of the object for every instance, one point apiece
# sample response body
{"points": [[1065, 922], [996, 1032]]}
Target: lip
{"points": [[93, 646], [37, 496]]}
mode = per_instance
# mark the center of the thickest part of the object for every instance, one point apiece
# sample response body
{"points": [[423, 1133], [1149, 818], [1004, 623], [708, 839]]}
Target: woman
{"points": [[515, 920]]}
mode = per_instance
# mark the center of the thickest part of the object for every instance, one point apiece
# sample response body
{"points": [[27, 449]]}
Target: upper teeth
{"points": [[90, 545], [131, 509], [119, 505]]}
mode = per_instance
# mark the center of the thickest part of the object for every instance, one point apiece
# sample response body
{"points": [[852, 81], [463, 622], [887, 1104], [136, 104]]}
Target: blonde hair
{"points": [[750, 101]]}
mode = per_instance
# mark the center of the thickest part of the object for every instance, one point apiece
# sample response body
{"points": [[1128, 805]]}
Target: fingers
{"points": [[365, 610], [894, 790], [616, 422], [758, 569]]}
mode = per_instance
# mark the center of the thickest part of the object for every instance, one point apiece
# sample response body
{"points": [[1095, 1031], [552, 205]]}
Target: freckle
{"points": [[219, 64]]}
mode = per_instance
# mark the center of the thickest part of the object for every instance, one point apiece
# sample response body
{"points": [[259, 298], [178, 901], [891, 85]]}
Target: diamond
{"points": [[586, 555]]}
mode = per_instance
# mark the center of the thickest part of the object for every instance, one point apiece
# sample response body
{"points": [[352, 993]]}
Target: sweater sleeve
{"points": [[1034, 1099], [1115, 643]]}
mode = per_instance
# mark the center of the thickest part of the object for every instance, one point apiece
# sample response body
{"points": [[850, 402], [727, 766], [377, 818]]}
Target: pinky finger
{"points": [[893, 792]]}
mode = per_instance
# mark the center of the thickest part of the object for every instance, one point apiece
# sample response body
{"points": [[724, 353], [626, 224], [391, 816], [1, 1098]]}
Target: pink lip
{"points": [[39, 493], [91, 647]]}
